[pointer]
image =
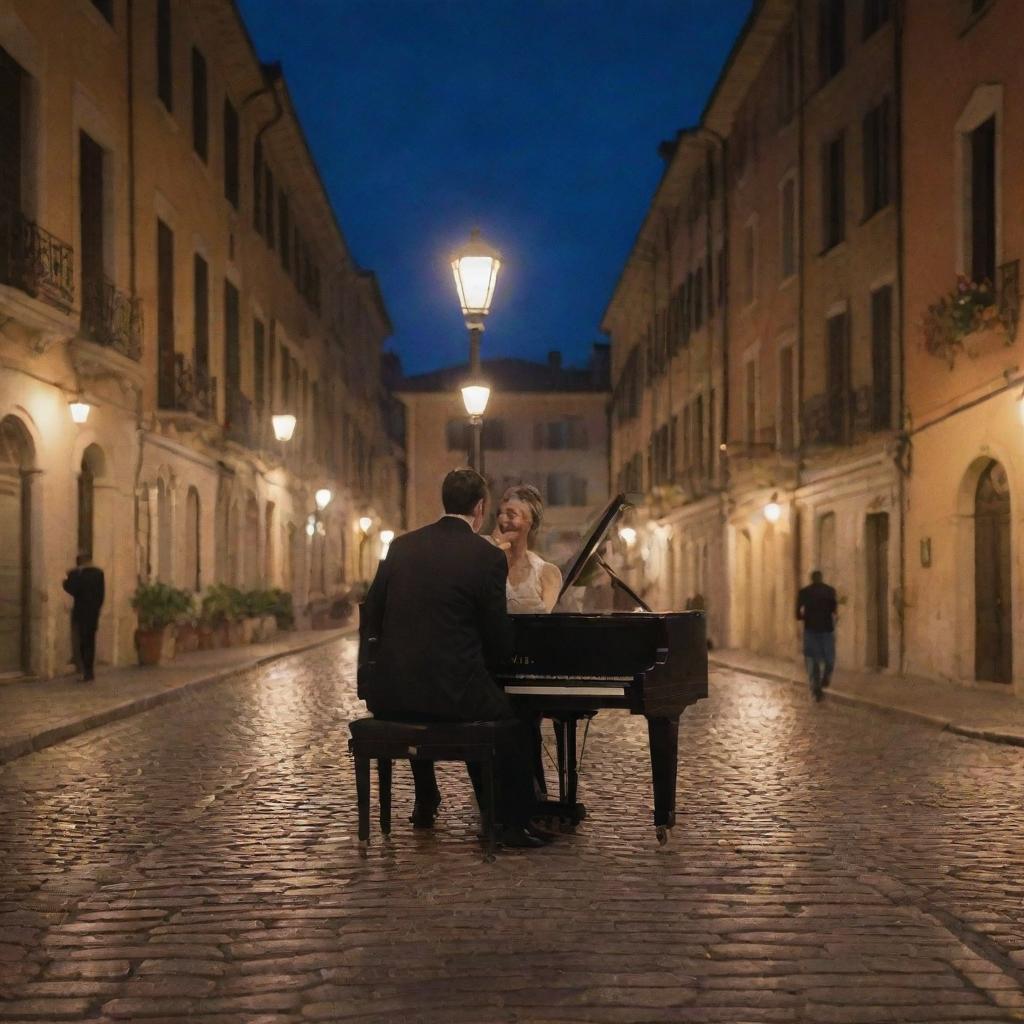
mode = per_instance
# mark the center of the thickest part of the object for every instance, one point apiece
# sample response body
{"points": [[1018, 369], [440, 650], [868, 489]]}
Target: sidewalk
{"points": [[976, 711], [40, 713]]}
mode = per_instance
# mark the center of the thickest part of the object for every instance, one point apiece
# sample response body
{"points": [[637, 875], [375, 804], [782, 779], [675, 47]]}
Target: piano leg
{"points": [[566, 807], [663, 735]]}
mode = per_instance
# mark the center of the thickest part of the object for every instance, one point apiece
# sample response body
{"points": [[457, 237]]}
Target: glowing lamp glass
{"points": [[628, 534], [474, 398], [475, 268], [773, 511], [284, 426], [79, 411], [365, 522], [387, 536], [323, 498]]}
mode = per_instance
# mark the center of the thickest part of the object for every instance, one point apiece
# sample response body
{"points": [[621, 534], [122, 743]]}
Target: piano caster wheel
{"points": [[662, 833], [364, 848]]}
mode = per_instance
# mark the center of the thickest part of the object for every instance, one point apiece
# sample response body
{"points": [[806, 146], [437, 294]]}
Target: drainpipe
{"points": [[903, 440]]}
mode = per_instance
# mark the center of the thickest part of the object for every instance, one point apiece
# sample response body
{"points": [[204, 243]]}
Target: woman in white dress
{"points": [[533, 584]]}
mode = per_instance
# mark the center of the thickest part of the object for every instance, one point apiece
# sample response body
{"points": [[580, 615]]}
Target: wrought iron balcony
{"points": [[195, 391], [1008, 297], [35, 261], [112, 318], [239, 424]]}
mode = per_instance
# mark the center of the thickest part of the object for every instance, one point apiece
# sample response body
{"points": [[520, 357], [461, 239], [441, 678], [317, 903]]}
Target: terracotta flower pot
{"points": [[150, 645]]}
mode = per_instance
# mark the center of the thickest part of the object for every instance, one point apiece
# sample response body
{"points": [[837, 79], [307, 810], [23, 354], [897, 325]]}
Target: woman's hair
{"points": [[530, 497]]}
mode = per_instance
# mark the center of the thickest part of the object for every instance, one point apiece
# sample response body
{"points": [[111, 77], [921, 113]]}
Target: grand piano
{"points": [[568, 666]]}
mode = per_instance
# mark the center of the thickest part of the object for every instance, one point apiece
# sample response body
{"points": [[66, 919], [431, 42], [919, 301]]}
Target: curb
{"points": [[855, 700], [14, 749]]}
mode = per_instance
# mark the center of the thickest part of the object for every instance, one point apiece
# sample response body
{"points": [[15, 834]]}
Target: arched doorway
{"points": [[15, 561], [164, 536], [193, 547], [746, 610], [251, 554], [993, 603], [268, 545]]}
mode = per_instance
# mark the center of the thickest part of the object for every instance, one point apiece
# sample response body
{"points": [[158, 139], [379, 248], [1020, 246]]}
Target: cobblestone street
{"points": [[198, 861]]}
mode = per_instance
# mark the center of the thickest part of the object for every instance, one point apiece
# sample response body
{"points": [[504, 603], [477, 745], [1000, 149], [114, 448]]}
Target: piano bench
{"points": [[386, 740]]}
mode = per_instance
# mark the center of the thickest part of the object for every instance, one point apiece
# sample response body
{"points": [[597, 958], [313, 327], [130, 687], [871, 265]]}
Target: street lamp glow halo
{"points": [[628, 534], [475, 269], [365, 522], [323, 498], [773, 510], [387, 536], [475, 398], [284, 425]]}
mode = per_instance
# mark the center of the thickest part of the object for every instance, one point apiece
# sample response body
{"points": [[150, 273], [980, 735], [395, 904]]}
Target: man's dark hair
{"points": [[461, 490], [816, 576]]}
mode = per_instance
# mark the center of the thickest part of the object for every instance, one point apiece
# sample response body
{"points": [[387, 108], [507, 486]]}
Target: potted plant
{"points": [[968, 309], [217, 611], [186, 634], [158, 607], [281, 608], [259, 606]]}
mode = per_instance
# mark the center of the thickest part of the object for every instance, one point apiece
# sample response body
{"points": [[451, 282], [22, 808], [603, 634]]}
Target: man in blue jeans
{"points": [[816, 609]]}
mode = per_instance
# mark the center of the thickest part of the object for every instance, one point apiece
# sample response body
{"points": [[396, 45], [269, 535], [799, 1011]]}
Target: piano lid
{"points": [[595, 539]]}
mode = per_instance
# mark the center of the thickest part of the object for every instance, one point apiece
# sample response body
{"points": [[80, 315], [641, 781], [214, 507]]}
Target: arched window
{"points": [[90, 469], [15, 561]]}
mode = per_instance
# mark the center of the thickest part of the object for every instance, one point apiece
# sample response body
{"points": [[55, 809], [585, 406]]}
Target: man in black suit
{"points": [[85, 584], [436, 618]]}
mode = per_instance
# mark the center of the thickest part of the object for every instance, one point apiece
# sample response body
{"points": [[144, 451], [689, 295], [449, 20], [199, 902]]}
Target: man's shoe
{"points": [[539, 832], [424, 814], [817, 693], [826, 679], [88, 678], [519, 838]]}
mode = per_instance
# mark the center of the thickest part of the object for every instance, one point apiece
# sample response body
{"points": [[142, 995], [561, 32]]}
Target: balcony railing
{"points": [[195, 391], [112, 318], [35, 261], [239, 424], [1008, 297]]}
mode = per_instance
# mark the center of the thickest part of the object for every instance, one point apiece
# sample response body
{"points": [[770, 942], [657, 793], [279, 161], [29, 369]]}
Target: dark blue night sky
{"points": [[536, 120]]}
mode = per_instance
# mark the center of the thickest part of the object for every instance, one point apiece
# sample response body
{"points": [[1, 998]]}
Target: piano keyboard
{"points": [[587, 686]]}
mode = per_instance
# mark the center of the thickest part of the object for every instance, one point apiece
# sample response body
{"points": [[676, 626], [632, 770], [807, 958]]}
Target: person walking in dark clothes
{"points": [[433, 628], [816, 608], [85, 583]]}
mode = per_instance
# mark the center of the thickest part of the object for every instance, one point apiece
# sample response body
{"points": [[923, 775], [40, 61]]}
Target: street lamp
{"points": [[386, 537], [323, 498], [79, 410], [475, 269], [284, 426], [773, 510]]}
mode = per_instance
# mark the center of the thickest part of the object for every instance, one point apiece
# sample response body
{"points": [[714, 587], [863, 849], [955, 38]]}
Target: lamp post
{"points": [[475, 268]]}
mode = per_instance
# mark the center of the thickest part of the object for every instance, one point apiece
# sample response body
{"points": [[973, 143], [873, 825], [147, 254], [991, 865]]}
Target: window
{"points": [[284, 231], [838, 369], [192, 540], [698, 434], [750, 263], [877, 159], [93, 230], [12, 88], [750, 402], [559, 435], [722, 272], [201, 316], [831, 37], [787, 227], [165, 315], [492, 435], [257, 186], [833, 194], [200, 107], [163, 53], [106, 8], [231, 154], [786, 403], [983, 201], [565, 489], [876, 14], [881, 358], [687, 438], [698, 298], [457, 435], [259, 365], [268, 207], [787, 76], [232, 348]]}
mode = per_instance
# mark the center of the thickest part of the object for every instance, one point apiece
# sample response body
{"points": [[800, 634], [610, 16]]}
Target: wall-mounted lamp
{"points": [[386, 537], [323, 498], [310, 525], [628, 534], [773, 510], [365, 522], [284, 425], [79, 410]]}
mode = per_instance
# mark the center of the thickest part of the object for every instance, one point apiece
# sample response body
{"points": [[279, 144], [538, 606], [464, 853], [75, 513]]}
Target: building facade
{"points": [[764, 281], [963, 228], [545, 425], [169, 256]]}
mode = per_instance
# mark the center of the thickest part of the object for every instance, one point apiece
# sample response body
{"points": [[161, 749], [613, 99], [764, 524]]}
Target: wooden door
{"points": [[877, 550], [993, 604], [14, 561]]}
